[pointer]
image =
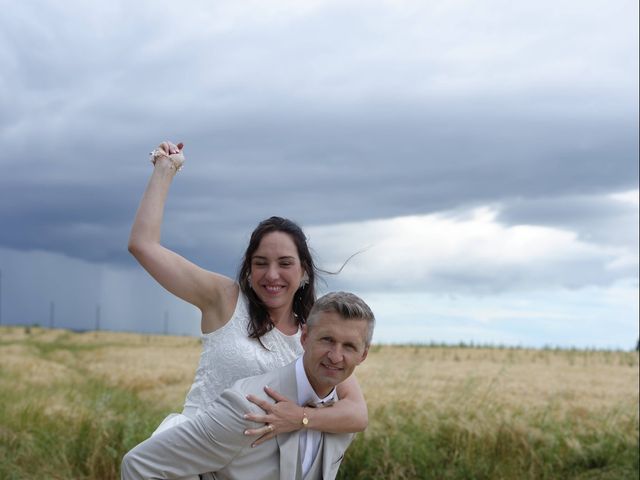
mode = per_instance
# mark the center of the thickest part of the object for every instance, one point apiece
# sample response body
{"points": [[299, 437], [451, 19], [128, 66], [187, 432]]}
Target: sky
{"points": [[481, 156]]}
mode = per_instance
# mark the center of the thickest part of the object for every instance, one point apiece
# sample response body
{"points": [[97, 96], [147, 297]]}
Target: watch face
{"points": [[305, 421]]}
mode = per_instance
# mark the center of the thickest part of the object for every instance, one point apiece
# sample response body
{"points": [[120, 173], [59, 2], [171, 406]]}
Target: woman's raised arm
{"points": [[212, 293]]}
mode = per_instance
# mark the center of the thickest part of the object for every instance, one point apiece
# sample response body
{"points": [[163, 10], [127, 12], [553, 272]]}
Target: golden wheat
{"points": [[161, 368]]}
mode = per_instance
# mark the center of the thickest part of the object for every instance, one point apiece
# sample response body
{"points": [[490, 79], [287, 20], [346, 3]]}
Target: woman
{"points": [[248, 326]]}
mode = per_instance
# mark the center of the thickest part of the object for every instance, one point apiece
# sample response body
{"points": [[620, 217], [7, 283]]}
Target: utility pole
{"points": [[52, 313], [97, 317]]}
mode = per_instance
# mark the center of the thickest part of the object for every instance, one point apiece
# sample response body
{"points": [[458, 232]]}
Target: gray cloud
{"points": [[596, 218], [401, 110], [314, 169]]}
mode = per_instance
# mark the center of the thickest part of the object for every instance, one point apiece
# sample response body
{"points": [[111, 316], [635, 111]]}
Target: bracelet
{"points": [[305, 419], [175, 163]]}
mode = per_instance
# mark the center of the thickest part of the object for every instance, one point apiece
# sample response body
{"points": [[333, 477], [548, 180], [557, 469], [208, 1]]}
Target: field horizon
{"points": [[442, 344]]}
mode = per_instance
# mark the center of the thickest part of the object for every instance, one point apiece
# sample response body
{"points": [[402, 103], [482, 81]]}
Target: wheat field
{"points": [[71, 404]]}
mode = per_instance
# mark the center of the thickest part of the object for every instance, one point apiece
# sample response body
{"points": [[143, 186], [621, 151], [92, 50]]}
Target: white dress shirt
{"points": [[309, 439]]}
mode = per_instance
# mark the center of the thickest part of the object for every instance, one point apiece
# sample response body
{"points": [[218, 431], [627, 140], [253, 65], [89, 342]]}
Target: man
{"points": [[335, 340]]}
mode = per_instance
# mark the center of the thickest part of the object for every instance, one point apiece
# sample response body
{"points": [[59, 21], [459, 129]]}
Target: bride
{"points": [[249, 325]]}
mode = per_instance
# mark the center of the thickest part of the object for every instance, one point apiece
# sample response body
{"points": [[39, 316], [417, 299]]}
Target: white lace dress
{"points": [[228, 354]]}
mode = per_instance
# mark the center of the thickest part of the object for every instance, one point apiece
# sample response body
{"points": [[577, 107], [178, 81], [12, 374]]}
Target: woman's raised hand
{"points": [[170, 151]]}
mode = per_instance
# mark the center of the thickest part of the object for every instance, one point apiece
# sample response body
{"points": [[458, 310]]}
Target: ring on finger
{"points": [[270, 427]]}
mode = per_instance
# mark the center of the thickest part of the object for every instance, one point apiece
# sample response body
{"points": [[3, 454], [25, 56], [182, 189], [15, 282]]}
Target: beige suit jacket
{"points": [[214, 441]]}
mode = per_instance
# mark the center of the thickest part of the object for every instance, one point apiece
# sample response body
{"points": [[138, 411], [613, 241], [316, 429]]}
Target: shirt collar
{"points": [[306, 394]]}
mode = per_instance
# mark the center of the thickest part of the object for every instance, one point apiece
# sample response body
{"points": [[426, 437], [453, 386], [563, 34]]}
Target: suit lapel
{"points": [[334, 449], [328, 456], [289, 462], [288, 443]]}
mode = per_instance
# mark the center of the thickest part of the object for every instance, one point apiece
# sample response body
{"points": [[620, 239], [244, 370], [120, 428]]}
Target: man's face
{"points": [[333, 348]]}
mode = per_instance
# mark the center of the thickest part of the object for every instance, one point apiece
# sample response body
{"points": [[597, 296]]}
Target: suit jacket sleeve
{"points": [[206, 443]]}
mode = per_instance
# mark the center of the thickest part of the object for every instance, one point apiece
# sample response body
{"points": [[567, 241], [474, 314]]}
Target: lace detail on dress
{"points": [[228, 354]]}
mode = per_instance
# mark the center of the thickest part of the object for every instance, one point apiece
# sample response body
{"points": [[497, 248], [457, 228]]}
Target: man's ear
{"points": [[364, 355]]}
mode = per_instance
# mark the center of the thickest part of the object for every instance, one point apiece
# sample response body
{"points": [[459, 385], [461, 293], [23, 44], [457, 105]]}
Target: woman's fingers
{"points": [[264, 430], [164, 146], [278, 397], [266, 433], [170, 148], [263, 439], [256, 417], [280, 417], [263, 404]]}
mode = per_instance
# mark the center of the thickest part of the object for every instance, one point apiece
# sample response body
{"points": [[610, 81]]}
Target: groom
{"points": [[335, 339]]}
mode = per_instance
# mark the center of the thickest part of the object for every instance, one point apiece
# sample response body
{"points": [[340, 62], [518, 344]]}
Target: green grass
{"points": [[447, 443], [90, 444], [85, 440]]}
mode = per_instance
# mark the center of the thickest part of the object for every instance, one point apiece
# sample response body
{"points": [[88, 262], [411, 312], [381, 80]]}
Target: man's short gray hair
{"points": [[348, 306]]}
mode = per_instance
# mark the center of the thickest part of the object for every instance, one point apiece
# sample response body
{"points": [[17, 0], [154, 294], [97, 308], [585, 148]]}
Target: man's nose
{"points": [[335, 354]]}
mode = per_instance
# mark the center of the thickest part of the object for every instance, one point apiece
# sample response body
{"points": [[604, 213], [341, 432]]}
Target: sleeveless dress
{"points": [[229, 354]]}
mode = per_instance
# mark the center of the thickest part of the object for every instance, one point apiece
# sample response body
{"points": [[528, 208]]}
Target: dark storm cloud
{"points": [[315, 168], [274, 125]]}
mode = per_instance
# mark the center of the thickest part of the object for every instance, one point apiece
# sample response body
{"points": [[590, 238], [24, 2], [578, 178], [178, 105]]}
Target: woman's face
{"points": [[276, 271]]}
